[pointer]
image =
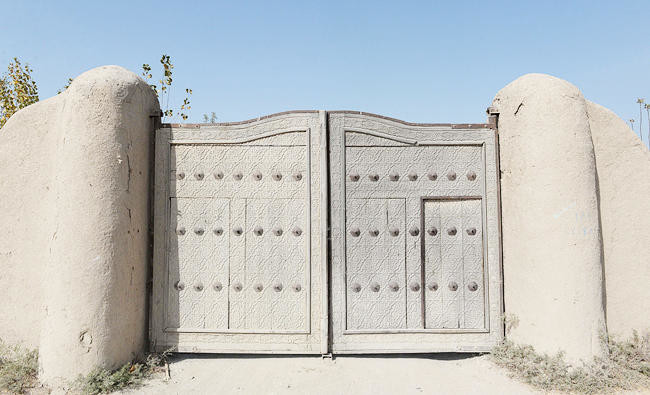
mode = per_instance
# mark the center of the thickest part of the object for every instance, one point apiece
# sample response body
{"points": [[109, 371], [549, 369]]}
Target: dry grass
{"points": [[627, 367], [130, 375], [18, 369]]}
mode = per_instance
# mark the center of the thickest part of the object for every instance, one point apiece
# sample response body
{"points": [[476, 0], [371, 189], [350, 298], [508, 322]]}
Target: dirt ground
{"points": [[400, 374]]}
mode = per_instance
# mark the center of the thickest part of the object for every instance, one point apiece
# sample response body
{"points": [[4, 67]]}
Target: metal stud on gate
{"points": [[412, 176], [217, 286], [238, 176], [277, 176], [297, 176], [198, 287], [414, 286], [373, 177], [296, 287], [277, 231], [238, 231], [296, 231], [179, 285], [356, 232], [433, 286], [277, 287], [471, 176], [258, 287], [473, 286], [373, 232], [237, 286], [198, 230], [218, 175], [453, 286], [199, 175], [393, 231], [258, 230], [393, 286], [432, 176], [180, 175], [374, 287], [471, 231], [393, 176], [257, 176], [355, 287], [432, 231], [180, 231], [218, 231], [452, 231], [414, 231], [354, 177], [451, 176]]}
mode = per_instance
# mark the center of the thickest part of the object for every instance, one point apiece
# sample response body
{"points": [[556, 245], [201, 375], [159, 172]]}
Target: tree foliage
{"points": [[17, 90], [163, 88]]}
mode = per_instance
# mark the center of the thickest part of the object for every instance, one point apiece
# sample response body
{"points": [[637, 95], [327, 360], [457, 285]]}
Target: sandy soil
{"points": [[402, 374]]}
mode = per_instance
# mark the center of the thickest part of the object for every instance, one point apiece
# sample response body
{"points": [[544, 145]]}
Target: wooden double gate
{"points": [[318, 232]]}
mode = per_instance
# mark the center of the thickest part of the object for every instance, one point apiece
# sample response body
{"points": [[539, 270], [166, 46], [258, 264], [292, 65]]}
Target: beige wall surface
{"points": [[623, 164], [26, 217], [74, 203], [552, 261]]}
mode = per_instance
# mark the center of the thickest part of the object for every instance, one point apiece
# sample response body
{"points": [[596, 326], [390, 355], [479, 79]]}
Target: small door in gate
{"points": [[238, 254], [415, 236]]}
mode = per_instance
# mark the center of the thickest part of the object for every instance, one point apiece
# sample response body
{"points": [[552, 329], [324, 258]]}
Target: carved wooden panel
{"points": [[415, 236], [237, 264]]}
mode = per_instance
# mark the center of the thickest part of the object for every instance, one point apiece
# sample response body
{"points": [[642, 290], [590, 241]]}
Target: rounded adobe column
{"points": [[552, 248], [95, 280]]}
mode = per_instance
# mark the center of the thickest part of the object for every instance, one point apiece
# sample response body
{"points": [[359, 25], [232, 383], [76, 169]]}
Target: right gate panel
{"points": [[415, 236]]}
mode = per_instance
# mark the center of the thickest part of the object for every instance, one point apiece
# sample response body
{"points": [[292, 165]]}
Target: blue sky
{"points": [[421, 61]]}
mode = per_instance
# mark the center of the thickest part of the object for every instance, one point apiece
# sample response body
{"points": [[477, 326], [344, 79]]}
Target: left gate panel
{"points": [[238, 246]]}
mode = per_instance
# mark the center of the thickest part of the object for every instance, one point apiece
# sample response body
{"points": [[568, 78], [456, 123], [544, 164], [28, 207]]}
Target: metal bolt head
{"points": [[296, 287], [258, 287], [451, 176], [393, 176], [218, 231], [355, 232], [354, 177], [238, 231], [412, 176], [393, 231], [471, 231], [393, 286], [373, 232], [453, 286], [257, 176], [198, 230], [432, 286], [472, 286], [471, 176], [198, 287], [373, 177], [218, 175], [414, 230], [296, 231], [277, 287], [277, 231], [180, 175], [180, 231], [258, 231], [277, 176], [374, 287], [414, 286], [432, 231], [199, 175], [217, 286], [432, 175], [297, 176], [452, 231], [237, 286], [238, 176], [179, 285], [355, 287]]}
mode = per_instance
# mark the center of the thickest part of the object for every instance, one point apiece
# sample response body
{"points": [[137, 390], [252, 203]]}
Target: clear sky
{"points": [[421, 61]]}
